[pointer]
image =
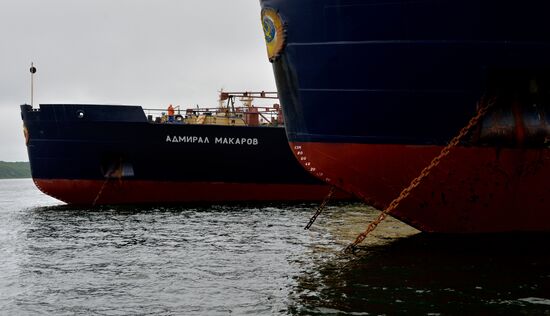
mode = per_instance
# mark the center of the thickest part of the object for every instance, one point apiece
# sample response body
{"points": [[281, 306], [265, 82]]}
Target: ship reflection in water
{"points": [[254, 260], [425, 274]]}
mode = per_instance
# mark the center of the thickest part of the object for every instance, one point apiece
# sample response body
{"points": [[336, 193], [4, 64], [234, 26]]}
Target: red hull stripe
{"points": [[473, 190], [138, 191]]}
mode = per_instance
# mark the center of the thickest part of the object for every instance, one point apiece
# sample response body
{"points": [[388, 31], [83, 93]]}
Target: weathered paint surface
{"points": [[474, 190]]}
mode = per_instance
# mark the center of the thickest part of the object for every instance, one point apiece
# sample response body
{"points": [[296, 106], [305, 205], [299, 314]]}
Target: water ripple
{"points": [[251, 260]]}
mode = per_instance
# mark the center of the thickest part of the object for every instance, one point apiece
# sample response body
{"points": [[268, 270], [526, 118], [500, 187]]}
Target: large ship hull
{"points": [[373, 90], [92, 154]]}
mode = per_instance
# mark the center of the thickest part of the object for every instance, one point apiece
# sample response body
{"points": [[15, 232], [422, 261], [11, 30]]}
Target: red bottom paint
{"points": [[125, 191], [473, 190]]}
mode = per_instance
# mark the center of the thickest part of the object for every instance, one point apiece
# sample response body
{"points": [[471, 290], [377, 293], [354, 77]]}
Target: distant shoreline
{"points": [[15, 170]]}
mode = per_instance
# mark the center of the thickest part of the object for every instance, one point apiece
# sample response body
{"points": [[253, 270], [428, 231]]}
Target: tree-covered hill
{"points": [[12, 170]]}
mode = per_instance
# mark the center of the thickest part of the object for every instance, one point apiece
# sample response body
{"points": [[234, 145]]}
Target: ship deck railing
{"points": [[271, 116]]}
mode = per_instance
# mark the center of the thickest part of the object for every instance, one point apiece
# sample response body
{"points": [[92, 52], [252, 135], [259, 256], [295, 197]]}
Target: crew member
{"points": [[171, 113]]}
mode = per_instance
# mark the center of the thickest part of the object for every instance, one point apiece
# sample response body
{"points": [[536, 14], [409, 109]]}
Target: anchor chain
{"points": [[320, 208], [483, 108], [100, 191], [113, 173]]}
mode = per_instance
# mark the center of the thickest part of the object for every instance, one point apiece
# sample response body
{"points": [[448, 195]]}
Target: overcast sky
{"points": [[143, 52]]}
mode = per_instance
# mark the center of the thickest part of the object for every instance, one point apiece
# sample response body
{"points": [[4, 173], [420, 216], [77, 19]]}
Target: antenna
{"points": [[33, 71]]}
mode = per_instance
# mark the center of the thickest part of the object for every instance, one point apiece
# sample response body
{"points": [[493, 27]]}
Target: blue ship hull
{"points": [[372, 91], [400, 71]]}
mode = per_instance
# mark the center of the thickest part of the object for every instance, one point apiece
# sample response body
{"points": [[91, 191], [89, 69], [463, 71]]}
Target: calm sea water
{"points": [[251, 260]]}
